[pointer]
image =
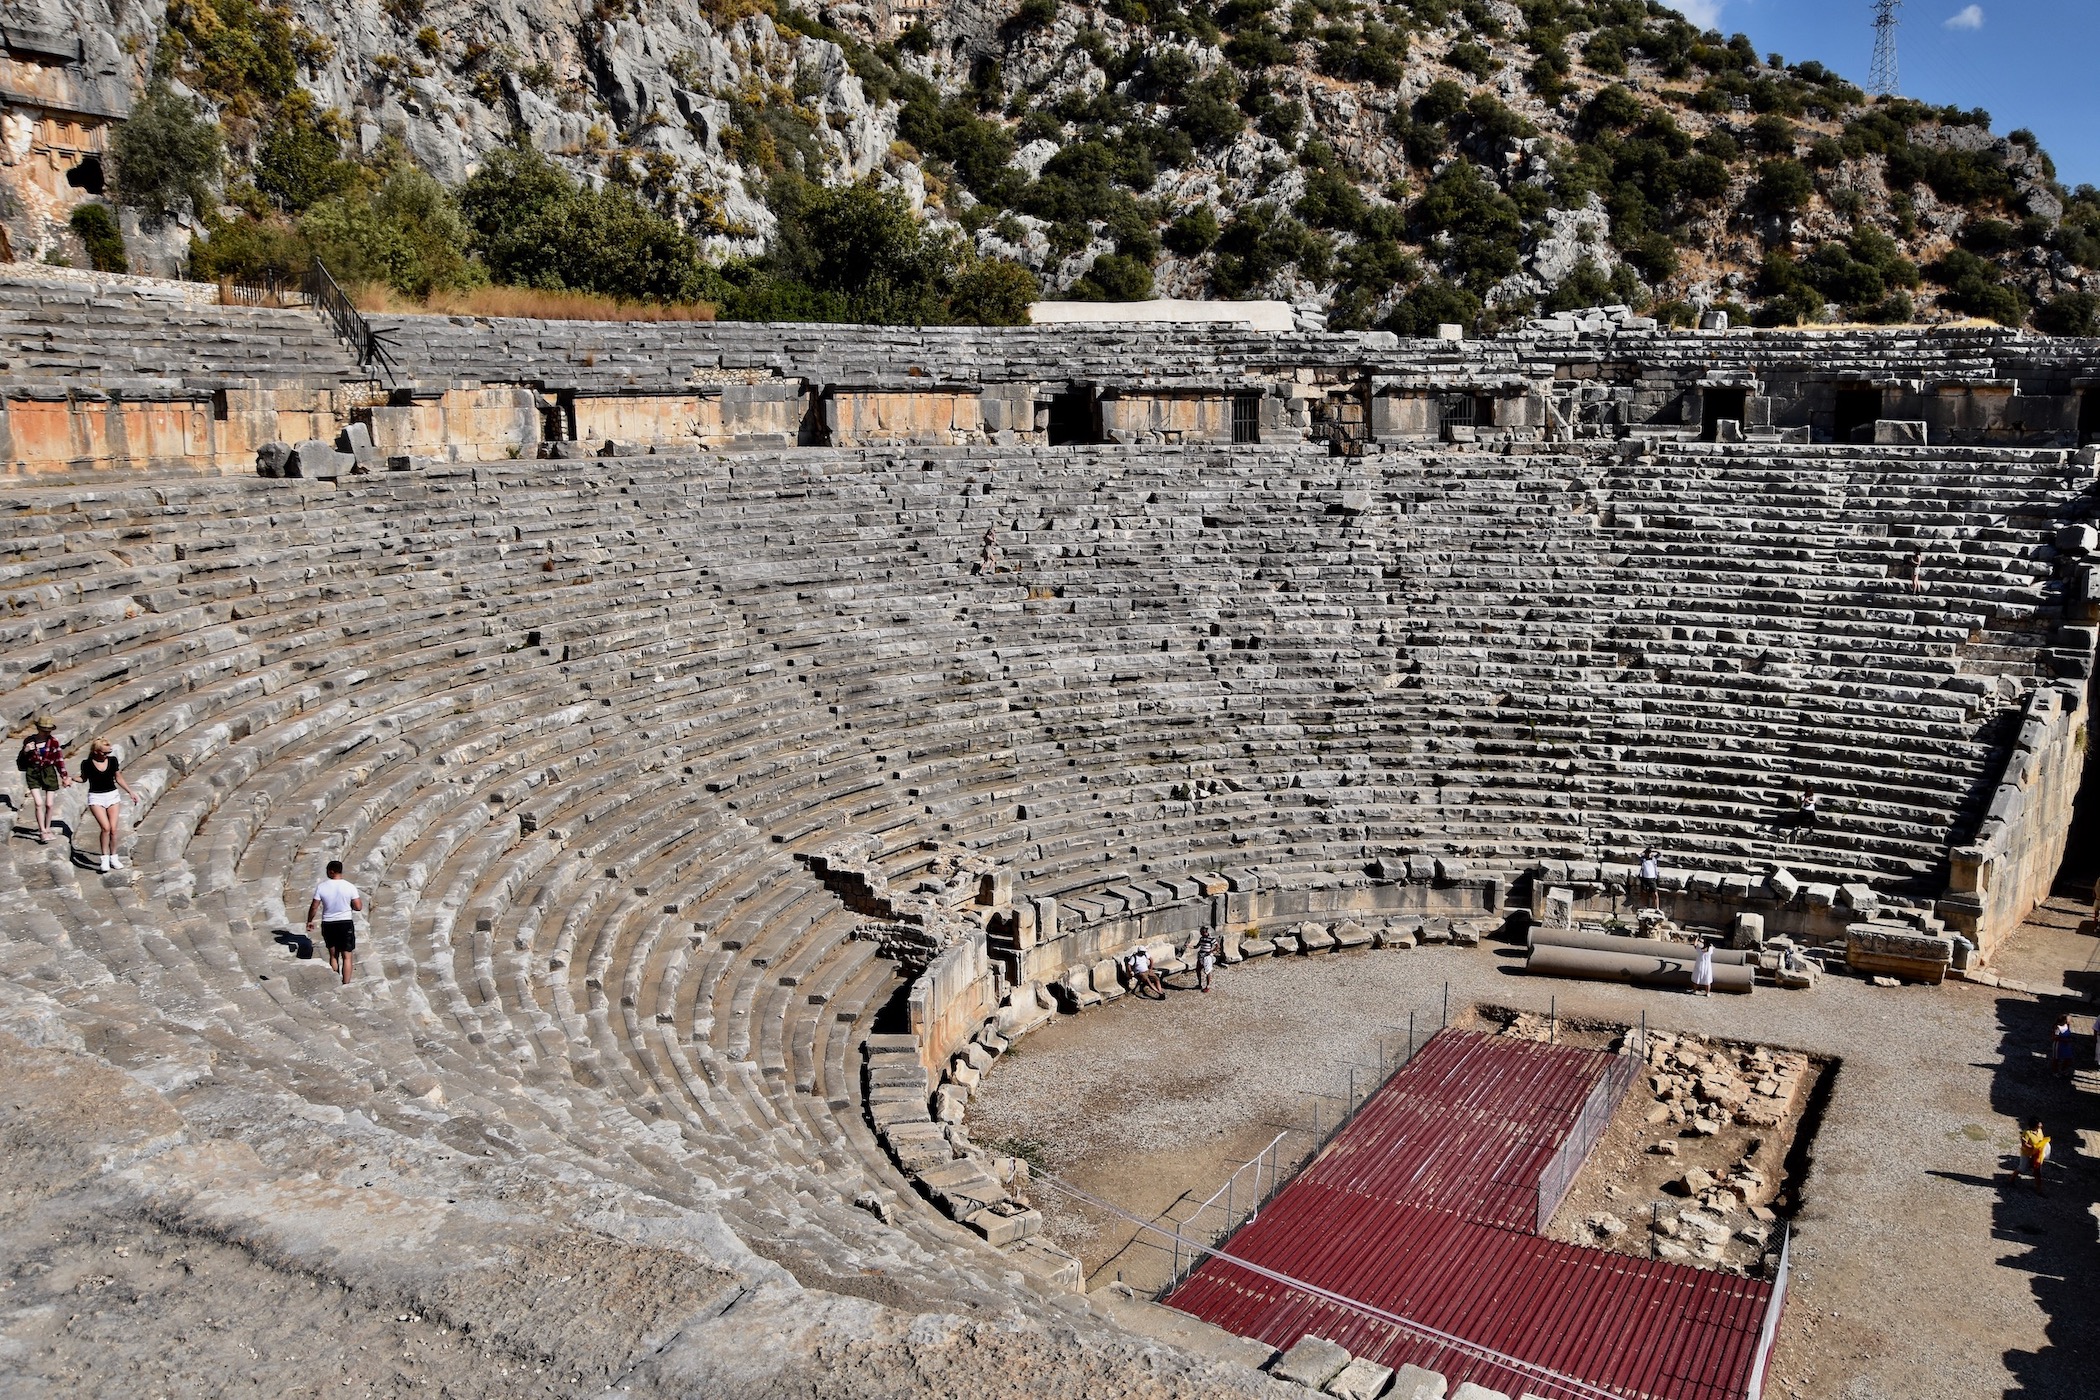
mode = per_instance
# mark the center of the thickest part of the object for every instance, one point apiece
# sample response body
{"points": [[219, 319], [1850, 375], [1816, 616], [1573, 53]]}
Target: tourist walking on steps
{"points": [[101, 772], [1703, 969], [1808, 808], [335, 901], [2034, 1150], [2063, 1047], [1651, 877], [42, 764], [1914, 568]]}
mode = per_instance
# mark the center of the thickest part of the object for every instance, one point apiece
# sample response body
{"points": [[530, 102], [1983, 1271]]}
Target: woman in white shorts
{"points": [[100, 771]]}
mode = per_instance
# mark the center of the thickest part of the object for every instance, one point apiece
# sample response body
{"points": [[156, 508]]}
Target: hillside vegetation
{"points": [[1389, 165]]}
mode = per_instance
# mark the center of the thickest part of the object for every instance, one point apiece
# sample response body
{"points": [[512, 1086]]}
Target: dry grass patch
{"points": [[530, 304]]}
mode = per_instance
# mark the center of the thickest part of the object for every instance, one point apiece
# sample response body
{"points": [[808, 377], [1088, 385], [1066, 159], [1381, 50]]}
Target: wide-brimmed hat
{"points": [[46, 722]]}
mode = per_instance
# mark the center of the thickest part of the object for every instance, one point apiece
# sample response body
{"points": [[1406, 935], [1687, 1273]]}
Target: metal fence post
{"points": [[1447, 1005], [1553, 1020], [1410, 1036]]}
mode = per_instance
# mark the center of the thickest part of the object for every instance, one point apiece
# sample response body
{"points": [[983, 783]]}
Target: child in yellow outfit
{"points": [[2034, 1149]]}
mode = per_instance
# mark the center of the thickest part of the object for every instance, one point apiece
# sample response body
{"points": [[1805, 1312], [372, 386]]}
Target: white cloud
{"points": [[1968, 17], [1704, 13]]}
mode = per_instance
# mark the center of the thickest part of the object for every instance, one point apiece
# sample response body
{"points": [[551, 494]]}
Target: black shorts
{"points": [[340, 935]]}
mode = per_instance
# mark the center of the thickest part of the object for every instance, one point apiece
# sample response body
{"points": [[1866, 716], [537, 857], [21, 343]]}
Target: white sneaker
{"points": [[115, 861], [105, 865]]}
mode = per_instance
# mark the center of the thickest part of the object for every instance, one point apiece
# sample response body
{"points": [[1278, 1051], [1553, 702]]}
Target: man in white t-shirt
{"points": [[1651, 876], [335, 900]]}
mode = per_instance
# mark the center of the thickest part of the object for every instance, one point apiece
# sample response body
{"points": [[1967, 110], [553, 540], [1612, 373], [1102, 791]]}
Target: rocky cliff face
{"points": [[1378, 164]]}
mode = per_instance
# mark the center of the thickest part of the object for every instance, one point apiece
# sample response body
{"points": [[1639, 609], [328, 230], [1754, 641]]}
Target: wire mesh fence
{"points": [[1316, 1117]]}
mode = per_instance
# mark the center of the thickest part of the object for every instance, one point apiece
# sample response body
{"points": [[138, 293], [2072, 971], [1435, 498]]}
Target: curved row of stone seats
{"points": [[1972, 352], [116, 329], [1902, 665], [274, 762], [668, 356]]}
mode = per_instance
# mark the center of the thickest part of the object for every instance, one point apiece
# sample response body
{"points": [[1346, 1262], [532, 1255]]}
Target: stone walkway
{"points": [[1918, 1269]]}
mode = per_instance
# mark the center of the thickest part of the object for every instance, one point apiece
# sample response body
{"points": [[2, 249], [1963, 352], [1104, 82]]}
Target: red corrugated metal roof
{"points": [[1410, 1210], [1467, 1125]]}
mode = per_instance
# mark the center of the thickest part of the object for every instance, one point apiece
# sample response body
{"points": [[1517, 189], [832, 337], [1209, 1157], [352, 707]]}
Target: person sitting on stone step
{"points": [[1144, 979]]}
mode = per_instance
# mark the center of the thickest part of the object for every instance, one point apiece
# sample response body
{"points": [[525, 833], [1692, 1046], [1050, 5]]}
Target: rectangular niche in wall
{"points": [[1858, 406]]}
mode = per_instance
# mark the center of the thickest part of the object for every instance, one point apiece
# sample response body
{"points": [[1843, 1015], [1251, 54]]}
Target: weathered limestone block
{"points": [[1361, 1379], [1312, 1362], [1414, 1383]]}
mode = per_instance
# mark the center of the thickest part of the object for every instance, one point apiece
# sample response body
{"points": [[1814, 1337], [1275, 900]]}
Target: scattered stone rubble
{"points": [[1327, 1367]]}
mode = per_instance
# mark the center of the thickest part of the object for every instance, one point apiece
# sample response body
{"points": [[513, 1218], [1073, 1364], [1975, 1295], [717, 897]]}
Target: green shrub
{"points": [[1471, 59], [300, 158], [242, 53], [993, 292], [1588, 285], [978, 148], [1280, 121], [1035, 14], [2073, 313], [1483, 223], [167, 156], [407, 234], [1114, 277], [101, 237], [1605, 51], [1432, 304], [1783, 186], [1194, 232], [248, 247], [1440, 102], [1210, 116], [535, 227], [1977, 287], [1331, 202], [1256, 47], [1255, 246]]}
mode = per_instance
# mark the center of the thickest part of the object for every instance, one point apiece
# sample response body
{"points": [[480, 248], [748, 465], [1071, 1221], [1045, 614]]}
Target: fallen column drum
{"points": [[1648, 970]]}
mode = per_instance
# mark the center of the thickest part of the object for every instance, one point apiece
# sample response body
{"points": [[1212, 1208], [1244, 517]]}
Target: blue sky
{"points": [[2028, 62]]}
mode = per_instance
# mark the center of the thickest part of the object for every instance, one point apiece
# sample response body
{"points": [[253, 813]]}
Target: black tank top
{"points": [[99, 780]]}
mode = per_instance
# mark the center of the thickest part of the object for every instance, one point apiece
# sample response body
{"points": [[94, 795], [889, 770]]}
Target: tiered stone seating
{"points": [[668, 356], [109, 329]]}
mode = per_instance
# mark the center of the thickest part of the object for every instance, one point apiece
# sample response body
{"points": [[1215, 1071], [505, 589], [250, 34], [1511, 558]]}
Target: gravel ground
{"points": [[1919, 1270]]}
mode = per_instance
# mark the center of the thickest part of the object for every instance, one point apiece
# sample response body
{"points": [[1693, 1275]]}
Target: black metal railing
{"points": [[269, 287], [374, 350]]}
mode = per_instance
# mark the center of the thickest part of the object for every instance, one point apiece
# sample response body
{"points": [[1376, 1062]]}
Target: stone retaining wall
{"points": [[48, 428], [1997, 879]]}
